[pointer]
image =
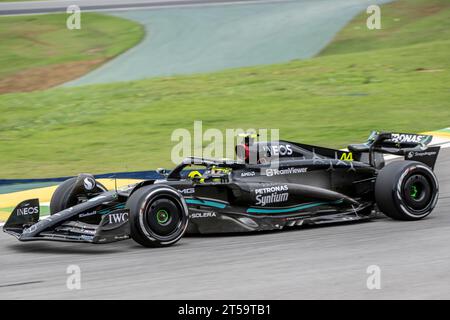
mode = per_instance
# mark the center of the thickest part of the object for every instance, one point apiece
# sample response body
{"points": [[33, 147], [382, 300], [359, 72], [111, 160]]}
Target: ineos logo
{"points": [[27, 211], [281, 150]]}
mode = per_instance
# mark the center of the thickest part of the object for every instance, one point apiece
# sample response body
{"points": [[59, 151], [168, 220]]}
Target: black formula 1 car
{"points": [[272, 185]]}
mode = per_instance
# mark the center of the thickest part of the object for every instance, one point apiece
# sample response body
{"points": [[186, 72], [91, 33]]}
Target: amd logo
{"points": [[248, 174]]}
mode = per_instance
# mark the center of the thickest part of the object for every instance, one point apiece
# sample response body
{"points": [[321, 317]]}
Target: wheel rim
{"points": [[415, 191], [418, 193], [163, 216]]}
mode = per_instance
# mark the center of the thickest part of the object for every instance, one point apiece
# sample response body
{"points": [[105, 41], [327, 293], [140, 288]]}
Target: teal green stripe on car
{"points": [[287, 210], [108, 210], [207, 203]]}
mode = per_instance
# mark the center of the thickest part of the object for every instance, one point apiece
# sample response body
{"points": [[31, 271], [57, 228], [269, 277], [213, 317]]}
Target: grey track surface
{"points": [[325, 262], [35, 7], [197, 36], [206, 39]]}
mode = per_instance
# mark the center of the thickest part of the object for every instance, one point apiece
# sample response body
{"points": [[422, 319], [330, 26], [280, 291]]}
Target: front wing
{"points": [[25, 225]]}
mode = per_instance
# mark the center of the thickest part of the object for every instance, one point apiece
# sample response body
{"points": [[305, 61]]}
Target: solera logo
{"points": [[74, 20], [374, 20]]}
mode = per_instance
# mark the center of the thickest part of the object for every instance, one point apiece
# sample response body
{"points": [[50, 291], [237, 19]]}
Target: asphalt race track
{"points": [[305, 263], [13, 8], [213, 38], [320, 262], [197, 36]]}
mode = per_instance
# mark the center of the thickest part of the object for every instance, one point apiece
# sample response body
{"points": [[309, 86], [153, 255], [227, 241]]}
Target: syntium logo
{"points": [[262, 200], [272, 194], [118, 217]]}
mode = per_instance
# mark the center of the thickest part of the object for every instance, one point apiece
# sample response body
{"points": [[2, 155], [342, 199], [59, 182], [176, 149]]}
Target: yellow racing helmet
{"points": [[194, 175]]}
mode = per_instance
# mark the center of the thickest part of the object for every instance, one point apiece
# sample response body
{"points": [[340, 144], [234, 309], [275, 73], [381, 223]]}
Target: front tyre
{"points": [[406, 190], [158, 215], [74, 191]]}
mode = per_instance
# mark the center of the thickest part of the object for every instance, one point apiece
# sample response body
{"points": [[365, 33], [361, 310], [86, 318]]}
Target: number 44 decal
{"points": [[347, 156]]}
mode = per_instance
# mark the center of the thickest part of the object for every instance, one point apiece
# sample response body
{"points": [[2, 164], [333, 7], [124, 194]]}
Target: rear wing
{"points": [[414, 147], [400, 140]]}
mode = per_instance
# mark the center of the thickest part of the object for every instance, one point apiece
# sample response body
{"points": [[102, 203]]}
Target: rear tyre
{"points": [[406, 190], [158, 216]]}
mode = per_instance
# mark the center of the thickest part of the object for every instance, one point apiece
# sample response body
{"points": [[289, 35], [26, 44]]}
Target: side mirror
{"points": [[163, 172]]}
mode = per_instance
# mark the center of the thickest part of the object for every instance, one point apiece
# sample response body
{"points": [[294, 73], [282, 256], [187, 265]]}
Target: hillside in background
{"points": [[393, 79], [38, 51]]}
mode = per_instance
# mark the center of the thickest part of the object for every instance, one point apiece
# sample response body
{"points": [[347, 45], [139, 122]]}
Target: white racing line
{"points": [[437, 141]]}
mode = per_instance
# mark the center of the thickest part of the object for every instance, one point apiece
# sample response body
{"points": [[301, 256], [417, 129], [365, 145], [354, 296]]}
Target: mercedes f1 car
{"points": [[271, 185]]}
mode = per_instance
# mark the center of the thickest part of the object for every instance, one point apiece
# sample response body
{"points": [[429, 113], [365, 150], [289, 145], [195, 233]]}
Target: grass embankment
{"points": [[38, 52], [387, 82], [404, 23]]}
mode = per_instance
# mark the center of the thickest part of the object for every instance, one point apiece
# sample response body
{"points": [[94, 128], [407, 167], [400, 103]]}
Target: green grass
{"points": [[39, 41], [330, 100], [402, 23]]}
